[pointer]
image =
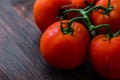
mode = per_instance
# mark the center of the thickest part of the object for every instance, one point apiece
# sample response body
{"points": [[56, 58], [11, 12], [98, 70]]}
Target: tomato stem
{"points": [[117, 33], [109, 2], [109, 8], [95, 8], [74, 19], [85, 17], [94, 2], [90, 5], [69, 29], [107, 26], [68, 11], [61, 23]]}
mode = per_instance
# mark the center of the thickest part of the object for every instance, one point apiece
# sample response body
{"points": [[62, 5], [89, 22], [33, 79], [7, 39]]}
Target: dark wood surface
{"points": [[20, 58]]}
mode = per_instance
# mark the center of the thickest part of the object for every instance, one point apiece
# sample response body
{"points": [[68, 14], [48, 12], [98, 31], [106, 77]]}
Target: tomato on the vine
{"points": [[63, 50], [46, 11], [105, 56], [112, 17]]}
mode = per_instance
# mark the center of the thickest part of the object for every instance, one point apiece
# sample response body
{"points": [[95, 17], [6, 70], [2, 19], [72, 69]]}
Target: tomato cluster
{"points": [[74, 29]]}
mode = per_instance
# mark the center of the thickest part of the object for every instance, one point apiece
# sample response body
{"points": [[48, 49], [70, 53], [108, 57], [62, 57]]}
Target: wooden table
{"points": [[20, 58]]}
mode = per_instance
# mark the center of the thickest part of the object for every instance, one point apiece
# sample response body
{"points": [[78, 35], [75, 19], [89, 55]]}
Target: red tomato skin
{"points": [[64, 51], [46, 11], [113, 19], [80, 3], [105, 56]]}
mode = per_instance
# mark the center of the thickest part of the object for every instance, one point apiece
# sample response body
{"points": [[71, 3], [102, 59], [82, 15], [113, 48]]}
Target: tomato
{"points": [[113, 18], [45, 12], [64, 51], [80, 3], [105, 56]]}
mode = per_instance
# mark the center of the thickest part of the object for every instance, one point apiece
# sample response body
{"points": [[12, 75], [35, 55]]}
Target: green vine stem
{"points": [[90, 4], [108, 9], [107, 26], [69, 29], [110, 34], [74, 19], [84, 15], [117, 33]]}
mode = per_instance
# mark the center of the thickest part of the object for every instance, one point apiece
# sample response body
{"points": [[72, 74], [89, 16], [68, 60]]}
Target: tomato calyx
{"points": [[108, 9], [68, 29], [105, 10], [70, 24]]}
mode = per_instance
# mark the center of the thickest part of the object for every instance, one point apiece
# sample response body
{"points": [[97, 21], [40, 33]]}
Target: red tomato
{"points": [[80, 3], [105, 56], [45, 12], [113, 18], [64, 51]]}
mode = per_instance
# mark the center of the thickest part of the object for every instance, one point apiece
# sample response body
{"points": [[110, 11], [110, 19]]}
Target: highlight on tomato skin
{"points": [[65, 51], [104, 54], [46, 11]]}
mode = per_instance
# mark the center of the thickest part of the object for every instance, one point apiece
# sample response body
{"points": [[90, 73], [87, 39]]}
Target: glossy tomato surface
{"points": [[113, 18], [105, 56], [46, 11], [65, 51], [81, 3]]}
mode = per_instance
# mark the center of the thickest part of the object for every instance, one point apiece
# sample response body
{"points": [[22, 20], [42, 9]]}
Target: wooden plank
{"points": [[15, 44]]}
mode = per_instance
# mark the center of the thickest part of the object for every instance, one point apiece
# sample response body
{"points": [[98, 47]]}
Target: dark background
{"points": [[20, 58]]}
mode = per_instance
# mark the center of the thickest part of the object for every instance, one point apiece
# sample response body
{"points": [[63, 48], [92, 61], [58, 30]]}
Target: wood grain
{"points": [[20, 58]]}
